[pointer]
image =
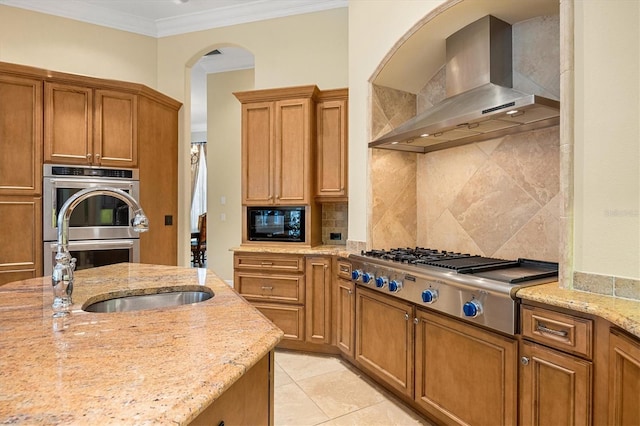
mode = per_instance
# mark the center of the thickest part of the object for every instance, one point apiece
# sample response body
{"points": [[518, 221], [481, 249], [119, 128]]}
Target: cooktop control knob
{"points": [[356, 274], [472, 308], [430, 295], [367, 277], [395, 286], [381, 282]]}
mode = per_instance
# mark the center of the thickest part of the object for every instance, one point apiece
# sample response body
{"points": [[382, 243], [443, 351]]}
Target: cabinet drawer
{"points": [[289, 318], [558, 330], [290, 263], [344, 269], [282, 288]]}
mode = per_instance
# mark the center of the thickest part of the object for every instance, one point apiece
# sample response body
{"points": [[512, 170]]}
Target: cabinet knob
{"points": [[97, 157], [350, 292], [89, 157], [406, 316], [524, 360], [416, 321]]}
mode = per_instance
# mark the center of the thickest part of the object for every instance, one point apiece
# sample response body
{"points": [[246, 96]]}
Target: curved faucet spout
{"points": [[62, 277]]}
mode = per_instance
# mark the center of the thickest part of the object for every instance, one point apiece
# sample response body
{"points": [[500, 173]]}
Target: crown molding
{"points": [[215, 18]]}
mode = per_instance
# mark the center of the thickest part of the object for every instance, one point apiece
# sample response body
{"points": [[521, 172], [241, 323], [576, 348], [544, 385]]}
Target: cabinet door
{"points": [[20, 136], [331, 181], [248, 401], [555, 388], [624, 380], [21, 248], [68, 124], [345, 316], [257, 153], [289, 318], [465, 375], [115, 131], [318, 299], [293, 156], [384, 338]]}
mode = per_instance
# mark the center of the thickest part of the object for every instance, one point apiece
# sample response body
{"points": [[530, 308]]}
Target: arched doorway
{"points": [[215, 138]]}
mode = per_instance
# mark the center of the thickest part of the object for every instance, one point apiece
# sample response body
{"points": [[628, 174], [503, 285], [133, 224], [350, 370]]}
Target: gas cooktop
{"points": [[478, 289], [510, 271]]}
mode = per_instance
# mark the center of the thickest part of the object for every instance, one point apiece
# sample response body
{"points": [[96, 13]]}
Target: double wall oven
{"points": [[99, 227]]}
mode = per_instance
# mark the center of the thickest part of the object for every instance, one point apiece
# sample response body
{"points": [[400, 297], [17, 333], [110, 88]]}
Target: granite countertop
{"points": [[625, 313], [159, 366], [323, 250]]}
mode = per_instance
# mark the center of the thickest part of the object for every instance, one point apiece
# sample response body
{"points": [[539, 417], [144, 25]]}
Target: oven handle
{"points": [[96, 244]]}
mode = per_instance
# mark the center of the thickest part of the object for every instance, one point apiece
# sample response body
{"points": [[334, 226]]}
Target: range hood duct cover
{"points": [[481, 103]]}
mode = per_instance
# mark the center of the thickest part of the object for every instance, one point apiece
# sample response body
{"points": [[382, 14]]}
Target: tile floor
{"points": [[314, 389]]}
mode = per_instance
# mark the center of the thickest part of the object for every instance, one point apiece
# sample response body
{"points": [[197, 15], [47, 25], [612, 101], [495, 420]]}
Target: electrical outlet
{"points": [[168, 220], [335, 236]]}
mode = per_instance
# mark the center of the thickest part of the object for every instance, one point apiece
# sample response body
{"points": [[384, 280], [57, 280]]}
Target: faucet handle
{"points": [[72, 264]]}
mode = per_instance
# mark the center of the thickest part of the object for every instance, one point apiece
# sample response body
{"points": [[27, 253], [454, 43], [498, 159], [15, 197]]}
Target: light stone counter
{"points": [[146, 367], [324, 250], [625, 313]]}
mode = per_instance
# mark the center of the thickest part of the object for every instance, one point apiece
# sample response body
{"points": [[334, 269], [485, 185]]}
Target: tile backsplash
{"points": [[335, 219], [495, 198]]}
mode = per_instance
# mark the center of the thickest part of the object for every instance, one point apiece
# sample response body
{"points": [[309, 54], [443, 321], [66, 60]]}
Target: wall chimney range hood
{"points": [[481, 103]]}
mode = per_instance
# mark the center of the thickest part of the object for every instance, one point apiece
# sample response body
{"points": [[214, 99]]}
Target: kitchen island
{"points": [[160, 366]]}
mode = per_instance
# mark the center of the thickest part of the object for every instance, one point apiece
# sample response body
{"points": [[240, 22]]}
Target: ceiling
{"points": [[162, 18]]}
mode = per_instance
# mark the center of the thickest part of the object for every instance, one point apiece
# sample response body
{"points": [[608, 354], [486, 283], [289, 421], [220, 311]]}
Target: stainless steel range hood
{"points": [[480, 103]]}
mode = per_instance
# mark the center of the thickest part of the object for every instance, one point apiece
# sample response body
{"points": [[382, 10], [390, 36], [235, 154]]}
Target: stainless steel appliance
{"points": [[282, 224], [476, 289], [99, 227]]}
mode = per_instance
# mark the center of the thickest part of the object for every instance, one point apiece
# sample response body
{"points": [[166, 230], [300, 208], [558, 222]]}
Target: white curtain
{"points": [[199, 197]]}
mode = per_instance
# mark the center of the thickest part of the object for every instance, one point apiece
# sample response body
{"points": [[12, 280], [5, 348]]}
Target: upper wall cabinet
{"points": [[294, 145], [277, 135], [20, 135], [90, 126], [331, 145]]}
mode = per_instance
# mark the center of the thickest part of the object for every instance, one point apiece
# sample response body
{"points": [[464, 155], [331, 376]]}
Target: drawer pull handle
{"points": [[266, 287], [524, 360], [266, 263], [344, 269], [560, 333]]}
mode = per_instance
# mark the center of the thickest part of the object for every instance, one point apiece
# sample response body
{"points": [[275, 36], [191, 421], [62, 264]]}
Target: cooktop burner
{"points": [[514, 271], [478, 289]]}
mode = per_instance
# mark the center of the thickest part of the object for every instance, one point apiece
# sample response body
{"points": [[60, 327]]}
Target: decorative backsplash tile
{"points": [[335, 223], [494, 198]]}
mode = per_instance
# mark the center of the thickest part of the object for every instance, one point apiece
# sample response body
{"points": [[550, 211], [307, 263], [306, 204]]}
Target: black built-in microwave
{"points": [[281, 224]]}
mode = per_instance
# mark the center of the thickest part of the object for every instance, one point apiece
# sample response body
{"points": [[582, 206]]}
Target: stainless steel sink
{"points": [[149, 301]]}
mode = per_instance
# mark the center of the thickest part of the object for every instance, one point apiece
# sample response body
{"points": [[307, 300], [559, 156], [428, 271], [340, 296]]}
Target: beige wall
{"points": [[61, 44], [223, 168], [607, 135], [374, 27]]}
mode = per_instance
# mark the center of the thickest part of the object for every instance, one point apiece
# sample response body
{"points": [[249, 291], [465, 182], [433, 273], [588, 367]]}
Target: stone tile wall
{"points": [[495, 198], [335, 218]]}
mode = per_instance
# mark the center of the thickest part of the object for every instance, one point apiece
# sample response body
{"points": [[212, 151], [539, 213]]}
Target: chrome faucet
{"points": [[62, 277]]}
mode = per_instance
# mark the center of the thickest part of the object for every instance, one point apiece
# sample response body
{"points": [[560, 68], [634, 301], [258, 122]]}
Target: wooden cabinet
{"points": [[274, 284], [20, 177], [555, 388], [384, 339], [624, 379], [318, 299], [555, 384], [345, 307], [277, 135], [249, 401], [464, 374], [84, 125], [331, 145]]}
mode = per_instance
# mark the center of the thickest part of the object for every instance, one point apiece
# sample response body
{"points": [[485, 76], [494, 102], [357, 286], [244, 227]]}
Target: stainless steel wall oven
{"points": [[99, 227]]}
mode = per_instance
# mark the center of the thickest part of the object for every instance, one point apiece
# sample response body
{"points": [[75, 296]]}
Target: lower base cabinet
{"points": [[555, 388], [384, 339], [464, 374], [624, 380], [345, 316], [249, 401], [289, 318]]}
